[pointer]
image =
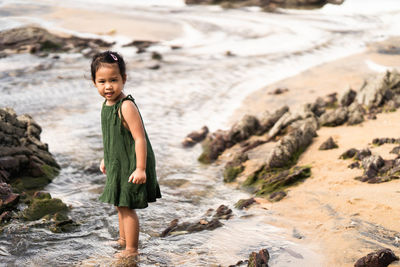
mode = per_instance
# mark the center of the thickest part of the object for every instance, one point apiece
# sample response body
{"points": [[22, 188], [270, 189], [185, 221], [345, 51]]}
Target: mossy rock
{"points": [[42, 207], [49, 46], [27, 183], [232, 172], [266, 182]]}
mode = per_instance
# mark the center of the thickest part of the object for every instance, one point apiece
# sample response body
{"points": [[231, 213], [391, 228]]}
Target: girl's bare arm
{"points": [[134, 124]]}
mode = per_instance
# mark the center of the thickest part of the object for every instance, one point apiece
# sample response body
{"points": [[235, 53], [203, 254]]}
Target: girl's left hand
{"points": [[138, 177]]}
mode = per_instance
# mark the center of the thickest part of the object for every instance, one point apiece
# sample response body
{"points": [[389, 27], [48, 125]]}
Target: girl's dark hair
{"points": [[107, 57]]}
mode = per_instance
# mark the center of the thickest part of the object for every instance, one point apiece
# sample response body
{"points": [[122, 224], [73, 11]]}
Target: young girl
{"points": [[129, 161]]}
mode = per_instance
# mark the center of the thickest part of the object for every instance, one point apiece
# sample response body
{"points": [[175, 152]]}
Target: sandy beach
{"points": [[346, 218]]}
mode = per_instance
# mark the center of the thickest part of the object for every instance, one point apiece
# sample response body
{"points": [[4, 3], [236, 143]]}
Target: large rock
{"points": [[24, 159], [34, 40]]}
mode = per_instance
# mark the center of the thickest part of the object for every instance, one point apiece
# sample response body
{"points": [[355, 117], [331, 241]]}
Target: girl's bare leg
{"points": [[121, 240], [130, 222]]}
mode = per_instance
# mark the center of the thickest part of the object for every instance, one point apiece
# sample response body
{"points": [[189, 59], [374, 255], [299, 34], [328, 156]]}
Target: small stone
{"points": [[328, 144]]}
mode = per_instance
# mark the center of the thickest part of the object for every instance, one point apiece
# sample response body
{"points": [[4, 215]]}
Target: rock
{"points": [[44, 205], [223, 212], [141, 45], [318, 107], [213, 146], [279, 91], [355, 117], [244, 203], [293, 144], [246, 146], [331, 100], [38, 41], [334, 117], [348, 154], [270, 5], [156, 56], [363, 153], [380, 258], [328, 144], [259, 259], [287, 119], [378, 90], [210, 222], [372, 164], [277, 196], [234, 167], [154, 67], [22, 154], [242, 130], [348, 98], [5, 216], [381, 141], [268, 120], [267, 182], [354, 165], [395, 150], [195, 137], [92, 168], [8, 200]]}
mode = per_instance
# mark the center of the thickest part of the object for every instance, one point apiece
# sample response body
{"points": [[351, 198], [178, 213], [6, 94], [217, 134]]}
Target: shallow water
{"points": [[195, 86]]}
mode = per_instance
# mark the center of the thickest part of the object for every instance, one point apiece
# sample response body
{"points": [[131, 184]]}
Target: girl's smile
{"points": [[110, 83]]}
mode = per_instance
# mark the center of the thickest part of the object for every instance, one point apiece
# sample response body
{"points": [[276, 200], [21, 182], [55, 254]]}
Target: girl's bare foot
{"points": [[120, 243], [127, 253]]}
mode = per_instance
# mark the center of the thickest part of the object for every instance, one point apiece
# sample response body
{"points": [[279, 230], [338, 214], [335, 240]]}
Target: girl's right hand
{"points": [[102, 167]]}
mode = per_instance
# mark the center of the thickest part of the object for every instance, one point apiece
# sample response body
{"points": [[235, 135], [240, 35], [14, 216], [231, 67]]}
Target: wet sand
{"points": [[345, 218]]}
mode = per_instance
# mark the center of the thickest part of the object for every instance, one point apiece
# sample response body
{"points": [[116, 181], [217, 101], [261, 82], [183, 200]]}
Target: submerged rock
{"points": [[380, 258], [42, 205], [244, 203], [208, 222], [8, 200], [213, 146], [195, 137]]}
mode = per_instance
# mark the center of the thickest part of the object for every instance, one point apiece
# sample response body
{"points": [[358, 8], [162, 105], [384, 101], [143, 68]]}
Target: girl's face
{"points": [[109, 82]]}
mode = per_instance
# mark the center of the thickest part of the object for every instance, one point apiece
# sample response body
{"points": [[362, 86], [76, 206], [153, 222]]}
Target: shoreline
{"points": [[345, 212]]}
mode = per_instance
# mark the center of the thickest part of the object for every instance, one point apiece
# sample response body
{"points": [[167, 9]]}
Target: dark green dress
{"points": [[120, 162]]}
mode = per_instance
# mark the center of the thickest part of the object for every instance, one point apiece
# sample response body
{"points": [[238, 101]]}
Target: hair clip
{"points": [[114, 57]]}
